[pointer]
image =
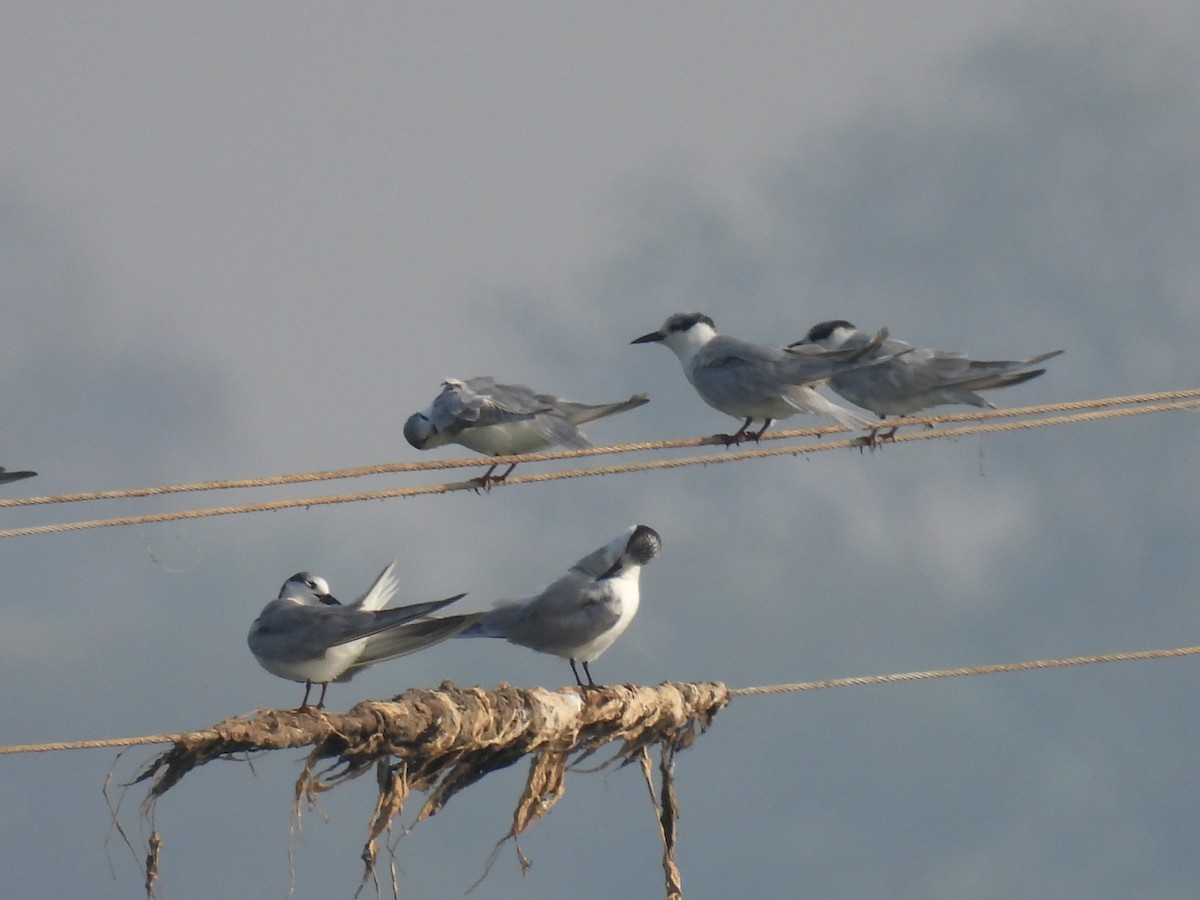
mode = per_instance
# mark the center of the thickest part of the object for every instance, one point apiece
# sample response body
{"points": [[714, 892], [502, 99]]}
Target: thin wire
{"points": [[795, 687], [864, 680], [616, 469], [643, 446]]}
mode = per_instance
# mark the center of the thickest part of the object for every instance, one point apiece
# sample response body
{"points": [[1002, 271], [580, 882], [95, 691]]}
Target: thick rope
{"points": [[638, 447], [855, 681], [618, 469], [101, 744]]}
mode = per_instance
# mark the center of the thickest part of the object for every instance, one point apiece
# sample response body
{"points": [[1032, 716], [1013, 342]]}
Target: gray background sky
{"points": [[251, 240]]}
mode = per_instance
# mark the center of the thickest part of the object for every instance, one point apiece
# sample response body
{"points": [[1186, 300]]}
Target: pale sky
{"points": [[251, 239]]}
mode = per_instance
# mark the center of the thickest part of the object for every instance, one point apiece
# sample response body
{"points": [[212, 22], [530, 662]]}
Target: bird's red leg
{"points": [[737, 437], [758, 437]]}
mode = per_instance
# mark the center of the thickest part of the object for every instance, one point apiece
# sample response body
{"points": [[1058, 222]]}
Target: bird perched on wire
{"points": [[7, 476], [914, 379], [504, 420], [581, 614], [756, 381], [306, 635]]}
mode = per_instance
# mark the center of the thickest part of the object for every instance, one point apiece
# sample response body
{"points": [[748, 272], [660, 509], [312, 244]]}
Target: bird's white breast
{"points": [[627, 596]]}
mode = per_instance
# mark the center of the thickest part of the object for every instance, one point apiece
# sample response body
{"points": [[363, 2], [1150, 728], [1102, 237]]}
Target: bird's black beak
{"points": [[328, 599], [651, 338]]}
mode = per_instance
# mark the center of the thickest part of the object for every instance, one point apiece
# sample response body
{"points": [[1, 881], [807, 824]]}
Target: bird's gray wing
{"points": [[572, 611], [296, 633], [735, 375], [731, 372], [1004, 366], [738, 372], [381, 591], [408, 638], [556, 430], [927, 370], [7, 476], [582, 413], [317, 628], [480, 401], [554, 419]]}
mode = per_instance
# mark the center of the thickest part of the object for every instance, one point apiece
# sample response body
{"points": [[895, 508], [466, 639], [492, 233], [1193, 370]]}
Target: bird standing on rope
{"points": [[306, 635], [756, 381], [580, 615], [918, 379], [504, 420]]}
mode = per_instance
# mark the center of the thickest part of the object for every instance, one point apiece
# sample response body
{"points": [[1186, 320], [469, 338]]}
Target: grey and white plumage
{"points": [[916, 378], [581, 614], [306, 635], [755, 381], [505, 419], [7, 476]]}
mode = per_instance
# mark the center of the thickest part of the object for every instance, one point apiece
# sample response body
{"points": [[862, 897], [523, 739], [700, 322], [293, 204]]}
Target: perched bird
{"points": [[917, 379], [755, 381], [306, 635], [7, 476], [580, 615], [504, 420]]}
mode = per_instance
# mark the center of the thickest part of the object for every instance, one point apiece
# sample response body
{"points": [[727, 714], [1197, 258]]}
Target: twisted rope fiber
{"points": [[856, 681], [642, 446], [512, 481]]}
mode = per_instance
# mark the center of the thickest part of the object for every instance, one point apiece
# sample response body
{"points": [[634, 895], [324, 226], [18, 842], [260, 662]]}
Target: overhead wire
{"points": [[551, 455], [974, 423]]}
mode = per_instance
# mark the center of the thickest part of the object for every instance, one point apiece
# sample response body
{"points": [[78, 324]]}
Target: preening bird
{"points": [[581, 614], [504, 420], [306, 635]]}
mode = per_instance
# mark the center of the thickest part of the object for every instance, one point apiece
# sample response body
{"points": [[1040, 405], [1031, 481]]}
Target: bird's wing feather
{"points": [[306, 632], [381, 592], [927, 370], [556, 430], [409, 638], [570, 612], [480, 401], [582, 413]]}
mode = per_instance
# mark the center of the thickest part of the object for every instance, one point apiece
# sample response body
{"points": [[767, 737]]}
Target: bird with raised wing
{"points": [[306, 635]]}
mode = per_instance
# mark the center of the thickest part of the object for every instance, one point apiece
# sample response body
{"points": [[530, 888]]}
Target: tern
{"points": [[306, 635], [756, 381], [581, 614], [914, 379], [504, 420]]}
